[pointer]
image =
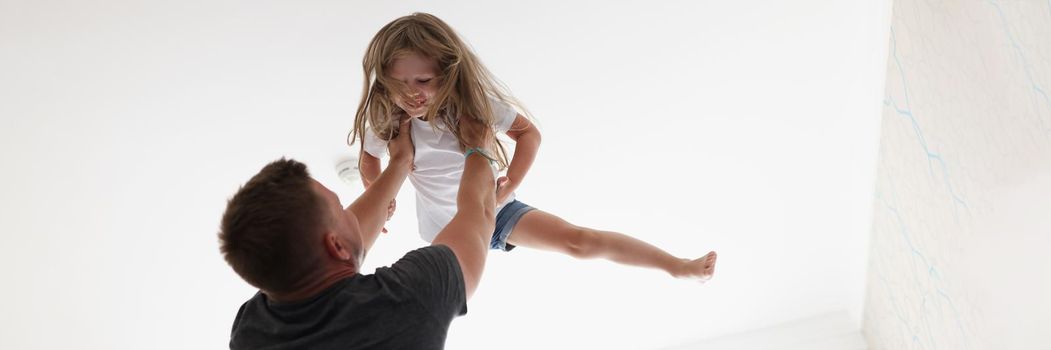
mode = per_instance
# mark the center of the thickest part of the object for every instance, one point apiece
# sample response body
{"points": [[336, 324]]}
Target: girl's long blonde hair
{"points": [[465, 85]]}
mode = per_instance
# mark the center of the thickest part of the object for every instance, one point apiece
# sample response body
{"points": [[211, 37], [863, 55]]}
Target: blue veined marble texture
{"points": [[964, 179]]}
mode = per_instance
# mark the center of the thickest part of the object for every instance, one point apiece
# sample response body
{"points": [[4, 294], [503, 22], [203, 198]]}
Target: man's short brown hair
{"points": [[271, 230]]}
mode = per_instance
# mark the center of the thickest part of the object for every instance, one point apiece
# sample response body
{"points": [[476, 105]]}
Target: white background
{"points": [[749, 128]]}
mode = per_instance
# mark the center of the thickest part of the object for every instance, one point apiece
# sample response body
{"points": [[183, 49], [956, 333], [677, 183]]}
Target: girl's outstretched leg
{"points": [[541, 230]]}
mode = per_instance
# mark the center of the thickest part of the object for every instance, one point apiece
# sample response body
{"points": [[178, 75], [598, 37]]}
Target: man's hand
{"points": [[400, 147]]}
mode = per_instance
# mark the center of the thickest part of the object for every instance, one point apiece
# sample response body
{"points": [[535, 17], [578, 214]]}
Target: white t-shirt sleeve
{"points": [[504, 115], [374, 145]]}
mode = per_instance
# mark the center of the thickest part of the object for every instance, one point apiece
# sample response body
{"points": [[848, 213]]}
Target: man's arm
{"points": [[372, 206], [469, 232]]}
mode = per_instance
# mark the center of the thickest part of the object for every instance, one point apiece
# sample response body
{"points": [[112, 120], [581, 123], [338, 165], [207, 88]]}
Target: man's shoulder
{"points": [[255, 299], [437, 250], [427, 266], [429, 257]]}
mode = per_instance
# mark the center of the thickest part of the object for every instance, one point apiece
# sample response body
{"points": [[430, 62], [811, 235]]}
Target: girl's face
{"points": [[420, 76]]}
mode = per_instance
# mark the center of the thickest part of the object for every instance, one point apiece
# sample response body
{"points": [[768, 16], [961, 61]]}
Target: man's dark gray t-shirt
{"points": [[406, 306]]}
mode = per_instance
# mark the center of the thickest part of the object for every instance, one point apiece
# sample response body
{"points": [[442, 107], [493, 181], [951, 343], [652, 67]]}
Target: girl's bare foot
{"points": [[700, 269]]}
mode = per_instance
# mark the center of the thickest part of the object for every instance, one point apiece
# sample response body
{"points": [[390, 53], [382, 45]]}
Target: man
{"points": [[286, 234]]}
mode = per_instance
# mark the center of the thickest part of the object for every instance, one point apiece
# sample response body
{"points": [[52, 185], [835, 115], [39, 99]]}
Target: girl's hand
{"points": [[390, 211], [504, 188]]}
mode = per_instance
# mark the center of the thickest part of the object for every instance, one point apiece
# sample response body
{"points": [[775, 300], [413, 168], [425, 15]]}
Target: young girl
{"points": [[417, 67]]}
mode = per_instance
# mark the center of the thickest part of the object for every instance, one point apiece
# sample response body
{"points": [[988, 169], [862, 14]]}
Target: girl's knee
{"points": [[582, 243]]}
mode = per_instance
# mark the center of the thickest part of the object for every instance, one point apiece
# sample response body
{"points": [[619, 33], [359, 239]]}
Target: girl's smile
{"points": [[419, 74]]}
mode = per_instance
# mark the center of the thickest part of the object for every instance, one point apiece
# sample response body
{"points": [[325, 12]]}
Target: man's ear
{"points": [[336, 248]]}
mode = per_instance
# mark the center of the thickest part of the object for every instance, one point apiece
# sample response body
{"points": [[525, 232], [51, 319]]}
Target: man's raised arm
{"points": [[371, 207], [469, 232]]}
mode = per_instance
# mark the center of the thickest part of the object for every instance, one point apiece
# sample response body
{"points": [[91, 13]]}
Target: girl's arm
{"points": [[527, 143], [369, 168]]}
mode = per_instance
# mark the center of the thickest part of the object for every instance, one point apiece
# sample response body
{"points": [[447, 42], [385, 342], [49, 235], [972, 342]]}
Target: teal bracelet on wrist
{"points": [[479, 152]]}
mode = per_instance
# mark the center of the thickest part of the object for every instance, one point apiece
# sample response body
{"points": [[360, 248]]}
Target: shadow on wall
{"points": [[833, 331]]}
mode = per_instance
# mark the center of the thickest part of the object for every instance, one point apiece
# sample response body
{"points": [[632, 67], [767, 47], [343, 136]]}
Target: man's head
{"points": [[283, 230]]}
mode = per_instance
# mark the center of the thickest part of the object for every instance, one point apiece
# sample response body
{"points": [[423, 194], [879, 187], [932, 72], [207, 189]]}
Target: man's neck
{"points": [[314, 287]]}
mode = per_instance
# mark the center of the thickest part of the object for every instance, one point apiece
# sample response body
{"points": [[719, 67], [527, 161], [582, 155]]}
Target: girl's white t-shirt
{"points": [[438, 166]]}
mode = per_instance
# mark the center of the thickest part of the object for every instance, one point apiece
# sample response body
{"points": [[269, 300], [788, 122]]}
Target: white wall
{"points": [[831, 331], [961, 225], [745, 127]]}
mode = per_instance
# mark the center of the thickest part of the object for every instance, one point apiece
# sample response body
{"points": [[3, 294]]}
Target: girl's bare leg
{"points": [[541, 230]]}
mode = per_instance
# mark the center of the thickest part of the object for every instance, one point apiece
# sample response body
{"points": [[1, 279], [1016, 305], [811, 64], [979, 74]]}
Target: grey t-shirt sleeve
{"points": [[433, 275]]}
